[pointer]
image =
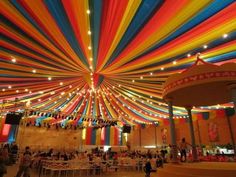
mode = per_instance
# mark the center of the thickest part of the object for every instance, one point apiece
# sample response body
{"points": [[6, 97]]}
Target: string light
{"points": [[9, 87], [89, 33], [174, 62], [225, 35], [13, 60], [189, 55], [205, 46], [162, 69], [49, 78], [88, 11]]}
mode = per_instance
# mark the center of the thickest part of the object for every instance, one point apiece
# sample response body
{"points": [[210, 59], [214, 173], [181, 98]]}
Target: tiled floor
{"points": [[12, 170]]}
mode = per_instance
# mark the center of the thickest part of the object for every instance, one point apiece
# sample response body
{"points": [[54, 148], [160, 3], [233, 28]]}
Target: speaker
{"points": [[126, 129], [13, 118]]}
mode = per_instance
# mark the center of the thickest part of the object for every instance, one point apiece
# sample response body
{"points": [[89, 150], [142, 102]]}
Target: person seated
{"points": [[153, 164], [65, 157], [50, 153], [159, 161]]}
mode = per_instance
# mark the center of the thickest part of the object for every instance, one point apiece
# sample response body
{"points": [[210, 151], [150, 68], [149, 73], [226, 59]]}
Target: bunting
{"points": [[214, 114]]}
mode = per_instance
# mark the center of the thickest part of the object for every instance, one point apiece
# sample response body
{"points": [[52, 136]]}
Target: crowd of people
{"points": [[31, 159], [147, 160]]}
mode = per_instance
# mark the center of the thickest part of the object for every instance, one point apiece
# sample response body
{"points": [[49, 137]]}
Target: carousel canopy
{"points": [[202, 84], [108, 59]]}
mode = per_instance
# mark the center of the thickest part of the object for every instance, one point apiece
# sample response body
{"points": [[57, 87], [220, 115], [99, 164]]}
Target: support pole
{"points": [[172, 132], [194, 149], [233, 98], [199, 136], [155, 136], [140, 139], [233, 93], [1, 113], [231, 134]]}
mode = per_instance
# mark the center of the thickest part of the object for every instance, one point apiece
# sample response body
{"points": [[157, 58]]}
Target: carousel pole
{"points": [[172, 132], [233, 93], [194, 149], [231, 134]]}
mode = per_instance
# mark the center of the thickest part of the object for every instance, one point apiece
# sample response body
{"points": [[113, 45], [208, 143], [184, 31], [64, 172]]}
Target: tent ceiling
{"points": [[108, 58]]}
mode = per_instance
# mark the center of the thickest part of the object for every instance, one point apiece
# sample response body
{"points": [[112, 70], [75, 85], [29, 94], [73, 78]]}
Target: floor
{"points": [[211, 165], [199, 169], [12, 170]]}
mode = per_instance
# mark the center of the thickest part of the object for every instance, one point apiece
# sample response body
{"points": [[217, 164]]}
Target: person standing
{"points": [[183, 150], [14, 152], [25, 163], [148, 168], [3, 160]]}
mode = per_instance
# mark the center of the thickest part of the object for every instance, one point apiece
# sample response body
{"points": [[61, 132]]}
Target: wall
{"points": [[43, 138], [182, 130]]}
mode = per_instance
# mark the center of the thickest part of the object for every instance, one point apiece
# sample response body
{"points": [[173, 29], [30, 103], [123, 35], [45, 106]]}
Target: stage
{"points": [[199, 169]]}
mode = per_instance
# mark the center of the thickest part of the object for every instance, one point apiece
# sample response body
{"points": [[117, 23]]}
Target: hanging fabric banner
{"points": [[112, 133], [88, 136], [111, 136], [107, 136], [98, 136], [116, 136], [93, 136]]}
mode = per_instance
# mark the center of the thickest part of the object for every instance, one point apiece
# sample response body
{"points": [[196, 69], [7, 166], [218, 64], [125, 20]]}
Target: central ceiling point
{"points": [[94, 80]]}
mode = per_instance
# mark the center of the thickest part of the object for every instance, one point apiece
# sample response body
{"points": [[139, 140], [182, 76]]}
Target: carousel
{"points": [[202, 84]]}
